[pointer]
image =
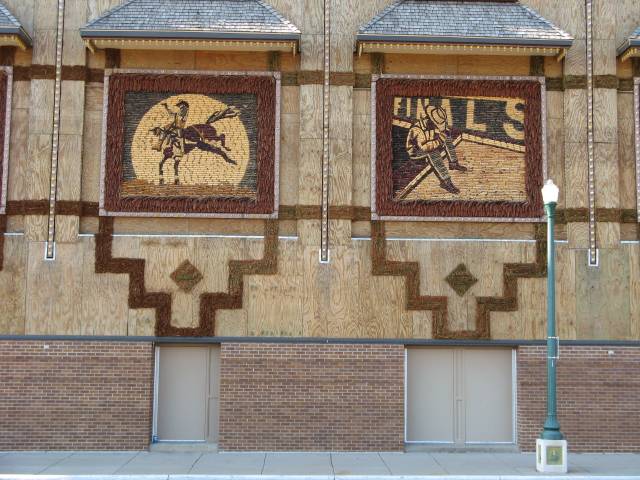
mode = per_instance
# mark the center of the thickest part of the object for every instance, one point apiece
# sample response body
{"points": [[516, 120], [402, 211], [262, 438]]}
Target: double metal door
{"points": [[460, 396]]}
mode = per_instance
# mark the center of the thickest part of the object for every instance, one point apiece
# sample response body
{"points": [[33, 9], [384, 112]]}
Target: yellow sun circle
{"points": [[198, 167]]}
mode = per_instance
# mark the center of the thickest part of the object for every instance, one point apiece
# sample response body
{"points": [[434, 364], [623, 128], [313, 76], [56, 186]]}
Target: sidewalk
{"points": [[312, 466]]}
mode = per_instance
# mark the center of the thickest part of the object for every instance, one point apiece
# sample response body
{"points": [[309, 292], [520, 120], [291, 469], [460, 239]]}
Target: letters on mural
{"points": [[451, 150]]}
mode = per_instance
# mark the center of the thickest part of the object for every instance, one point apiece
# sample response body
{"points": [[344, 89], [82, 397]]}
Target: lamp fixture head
{"points": [[550, 192]]}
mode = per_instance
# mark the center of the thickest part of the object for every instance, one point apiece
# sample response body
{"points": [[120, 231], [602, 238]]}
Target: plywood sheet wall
{"points": [[303, 298]]}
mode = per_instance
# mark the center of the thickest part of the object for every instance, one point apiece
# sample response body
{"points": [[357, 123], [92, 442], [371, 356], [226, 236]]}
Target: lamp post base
{"points": [[551, 456]]}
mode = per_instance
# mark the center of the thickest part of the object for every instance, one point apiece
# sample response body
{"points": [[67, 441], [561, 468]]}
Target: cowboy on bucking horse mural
{"points": [[175, 139]]}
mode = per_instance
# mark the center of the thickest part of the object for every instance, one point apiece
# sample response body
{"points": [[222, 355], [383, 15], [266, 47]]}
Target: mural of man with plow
{"points": [[429, 140]]}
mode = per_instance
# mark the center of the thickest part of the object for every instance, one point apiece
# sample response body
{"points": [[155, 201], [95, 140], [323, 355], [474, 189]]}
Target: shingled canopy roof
{"points": [[631, 46], [463, 27], [194, 25], [11, 31]]}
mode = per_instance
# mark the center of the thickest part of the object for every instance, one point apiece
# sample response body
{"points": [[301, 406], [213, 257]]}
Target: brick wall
{"points": [[75, 395], [311, 397], [598, 397]]}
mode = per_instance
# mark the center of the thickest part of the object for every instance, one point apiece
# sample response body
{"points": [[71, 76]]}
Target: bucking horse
{"points": [[175, 143]]}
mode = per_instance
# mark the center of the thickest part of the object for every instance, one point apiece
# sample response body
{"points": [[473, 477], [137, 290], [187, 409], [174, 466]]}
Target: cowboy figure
{"points": [[171, 137], [428, 139]]}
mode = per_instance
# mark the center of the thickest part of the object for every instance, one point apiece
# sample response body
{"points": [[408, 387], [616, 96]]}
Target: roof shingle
{"points": [[451, 21], [192, 19], [9, 25], [632, 41]]}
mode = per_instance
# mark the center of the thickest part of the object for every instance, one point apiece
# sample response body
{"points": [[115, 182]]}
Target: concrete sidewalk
{"points": [[312, 466]]}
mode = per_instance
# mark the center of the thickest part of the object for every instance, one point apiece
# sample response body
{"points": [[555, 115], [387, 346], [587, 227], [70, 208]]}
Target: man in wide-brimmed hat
{"points": [[428, 140]]}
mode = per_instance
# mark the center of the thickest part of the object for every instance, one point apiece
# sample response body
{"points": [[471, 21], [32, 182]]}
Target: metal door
{"points": [[187, 393], [460, 396]]}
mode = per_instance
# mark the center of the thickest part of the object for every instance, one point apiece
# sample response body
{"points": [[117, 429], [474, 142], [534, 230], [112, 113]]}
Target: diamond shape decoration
{"points": [[186, 276], [461, 279]]}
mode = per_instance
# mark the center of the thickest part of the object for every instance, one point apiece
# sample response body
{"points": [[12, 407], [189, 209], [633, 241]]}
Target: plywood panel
{"points": [[231, 323], [53, 291], [41, 111], [67, 228], [44, 41], [142, 322], [282, 317], [310, 171], [575, 61], [71, 107], [23, 10], [163, 256], [605, 53], [211, 257], [13, 286], [459, 230], [292, 10], [606, 175], [492, 65], [150, 226], [597, 289], [608, 234], [567, 14], [576, 175], [311, 52], [341, 112], [98, 7], [486, 262], [289, 154], [312, 18], [626, 151], [104, 296], [340, 232], [35, 227], [578, 235], [18, 154], [626, 19], [39, 166], [74, 50], [291, 100], [565, 292], [342, 48], [343, 286], [340, 172], [382, 298], [91, 153], [229, 61], [311, 111], [361, 160], [315, 288], [575, 107], [69, 167], [555, 155], [168, 60]]}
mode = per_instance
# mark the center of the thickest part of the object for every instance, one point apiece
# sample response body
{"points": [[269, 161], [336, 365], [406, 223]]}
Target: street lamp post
{"points": [[551, 447]]}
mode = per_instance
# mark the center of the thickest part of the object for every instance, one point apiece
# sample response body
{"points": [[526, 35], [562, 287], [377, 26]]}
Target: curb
{"points": [[316, 477]]}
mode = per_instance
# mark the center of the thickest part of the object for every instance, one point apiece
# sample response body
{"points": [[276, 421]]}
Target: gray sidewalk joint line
{"points": [[385, 463], [195, 461], [264, 461], [55, 463], [127, 462], [333, 468], [438, 463]]}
